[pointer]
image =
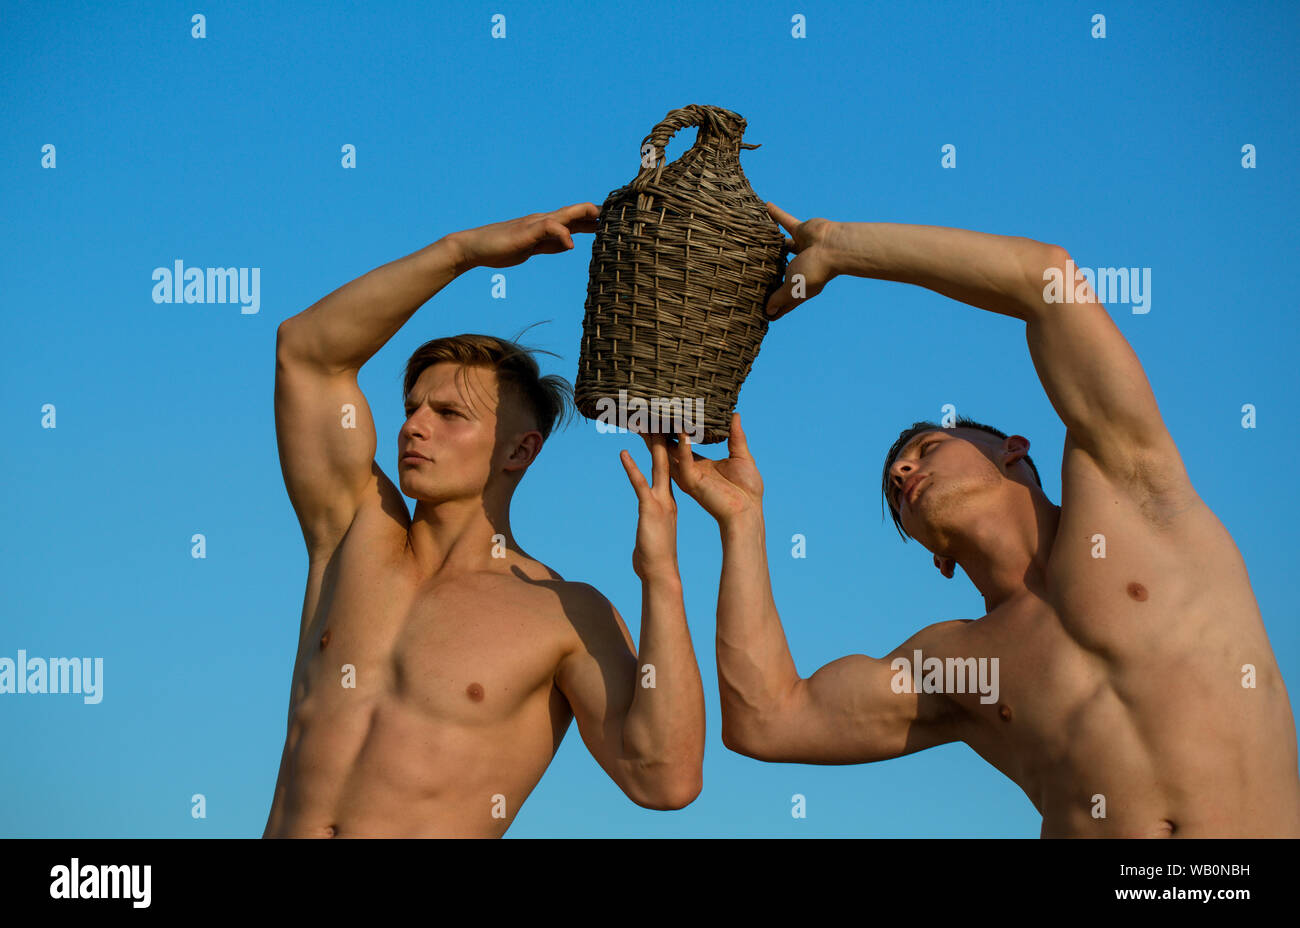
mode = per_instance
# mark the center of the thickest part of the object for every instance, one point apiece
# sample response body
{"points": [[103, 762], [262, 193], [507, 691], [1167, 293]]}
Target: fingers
{"points": [[775, 307], [557, 230], [683, 445], [557, 227], [661, 484], [662, 467], [782, 299], [682, 461], [658, 445], [634, 475], [578, 211], [804, 272], [672, 460], [787, 221], [580, 217]]}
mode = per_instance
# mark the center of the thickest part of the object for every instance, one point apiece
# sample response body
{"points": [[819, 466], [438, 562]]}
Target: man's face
{"points": [[451, 419], [943, 480]]}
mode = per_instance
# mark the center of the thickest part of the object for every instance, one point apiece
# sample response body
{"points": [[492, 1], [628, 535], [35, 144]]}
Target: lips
{"points": [[910, 487], [412, 456]]}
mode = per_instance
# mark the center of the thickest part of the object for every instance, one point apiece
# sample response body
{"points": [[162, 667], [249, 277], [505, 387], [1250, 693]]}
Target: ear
{"points": [[1014, 449], [526, 449], [946, 565]]}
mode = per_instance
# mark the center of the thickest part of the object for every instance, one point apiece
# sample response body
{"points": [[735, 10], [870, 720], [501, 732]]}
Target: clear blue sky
{"points": [[224, 151]]}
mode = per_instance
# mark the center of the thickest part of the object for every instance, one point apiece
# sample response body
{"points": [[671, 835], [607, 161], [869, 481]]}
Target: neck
{"points": [[1007, 556], [456, 536]]}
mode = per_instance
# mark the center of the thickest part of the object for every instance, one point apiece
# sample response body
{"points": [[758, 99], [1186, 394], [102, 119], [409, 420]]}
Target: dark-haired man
{"points": [[438, 665], [1120, 675]]}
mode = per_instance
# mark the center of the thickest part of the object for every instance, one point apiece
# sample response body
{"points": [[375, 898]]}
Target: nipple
{"points": [[1137, 591], [1004, 712], [475, 692], [324, 639]]}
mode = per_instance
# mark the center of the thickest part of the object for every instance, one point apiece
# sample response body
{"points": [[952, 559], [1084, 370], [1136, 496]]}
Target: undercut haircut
{"points": [[916, 429], [549, 399]]}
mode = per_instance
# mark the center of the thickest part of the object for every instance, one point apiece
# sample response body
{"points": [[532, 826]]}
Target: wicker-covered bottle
{"points": [[684, 259]]}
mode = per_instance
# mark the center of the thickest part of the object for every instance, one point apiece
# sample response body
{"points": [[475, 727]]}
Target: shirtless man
{"points": [[438, 665], [1125, 706]]}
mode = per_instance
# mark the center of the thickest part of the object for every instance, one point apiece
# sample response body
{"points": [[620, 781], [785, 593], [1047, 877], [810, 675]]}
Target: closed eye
{"points": [[445, 411]]}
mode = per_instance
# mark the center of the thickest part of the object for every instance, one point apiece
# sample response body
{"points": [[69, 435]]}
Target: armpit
{"points": [[1164, 492]]}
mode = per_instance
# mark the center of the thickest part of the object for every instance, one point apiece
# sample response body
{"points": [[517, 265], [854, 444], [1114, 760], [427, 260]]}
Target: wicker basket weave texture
{"points": [[684, 259]]}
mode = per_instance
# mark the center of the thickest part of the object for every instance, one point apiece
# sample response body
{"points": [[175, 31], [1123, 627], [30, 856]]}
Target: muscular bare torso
{"points": [[1121, 682], [419, 708]]}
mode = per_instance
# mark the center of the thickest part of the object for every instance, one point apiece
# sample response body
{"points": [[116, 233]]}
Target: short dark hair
{"points": [[549, 398], [916, 429]]}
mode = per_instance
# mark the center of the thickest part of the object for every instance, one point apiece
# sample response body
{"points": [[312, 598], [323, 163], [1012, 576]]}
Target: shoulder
{"points": [[579, 604], [596, 625], [941, 635], [584, 601]]}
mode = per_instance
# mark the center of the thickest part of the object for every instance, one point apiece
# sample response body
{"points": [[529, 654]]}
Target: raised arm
{"points": [[323, 425], [848, 711], [642, 717], [326, 451], [1088, 370]]}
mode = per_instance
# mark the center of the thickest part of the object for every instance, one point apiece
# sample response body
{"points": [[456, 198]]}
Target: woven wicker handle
{"points": [[714, 123]]}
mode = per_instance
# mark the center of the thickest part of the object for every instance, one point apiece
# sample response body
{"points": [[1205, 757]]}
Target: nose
{"points": [[900, 472], [413, 429]]}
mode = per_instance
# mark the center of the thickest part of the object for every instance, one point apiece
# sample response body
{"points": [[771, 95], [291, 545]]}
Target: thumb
{"points": [[783, 299], [780, 302], [737, 445]]}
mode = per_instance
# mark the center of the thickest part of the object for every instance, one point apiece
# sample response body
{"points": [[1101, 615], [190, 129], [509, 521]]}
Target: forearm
{"points": [[755, 669], [346, 328], [999, 273], [663, 732]]}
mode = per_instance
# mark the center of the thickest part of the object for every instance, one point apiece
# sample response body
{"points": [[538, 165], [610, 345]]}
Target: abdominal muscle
{"points": [[378, 766], [1136, 746]]}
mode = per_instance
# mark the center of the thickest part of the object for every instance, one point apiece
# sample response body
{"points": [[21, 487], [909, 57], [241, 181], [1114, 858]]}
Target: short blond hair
{"points": [[548, 398]]}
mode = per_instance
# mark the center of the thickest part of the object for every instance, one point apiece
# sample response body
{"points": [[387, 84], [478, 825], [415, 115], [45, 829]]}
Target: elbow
{"points": [[298, 343], [669, 790], [669, 798], [1048, 257], [1046, 272], [749, 725], [285, 339], [683, 793], [741, 740]]}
